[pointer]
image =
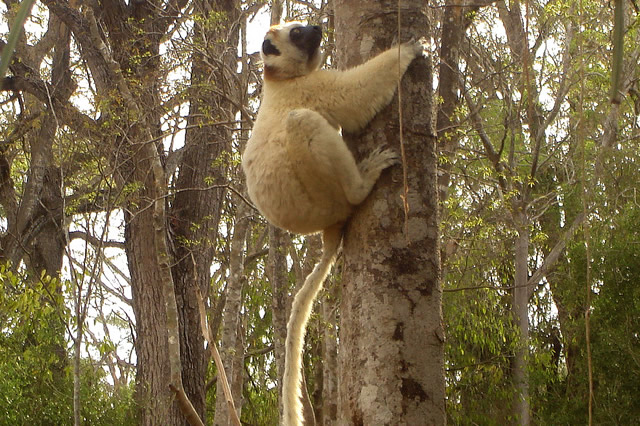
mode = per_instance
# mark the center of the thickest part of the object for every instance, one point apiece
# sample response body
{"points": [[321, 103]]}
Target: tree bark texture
{"points": [[330, 356], [232, 342], [195, 214], [152, 393], [279, 284], [391, 332], [520, 312], [449, 82], [129, 131]]}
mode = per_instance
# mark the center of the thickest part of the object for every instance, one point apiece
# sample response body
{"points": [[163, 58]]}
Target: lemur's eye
{"points": [[295, 32]]}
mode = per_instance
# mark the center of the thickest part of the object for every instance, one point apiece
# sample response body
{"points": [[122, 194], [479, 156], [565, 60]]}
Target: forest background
{"points": [[124, 217]]}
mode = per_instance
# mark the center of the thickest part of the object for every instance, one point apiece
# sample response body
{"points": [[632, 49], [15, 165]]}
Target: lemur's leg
{"points": [[328, 155], [370, 169]]}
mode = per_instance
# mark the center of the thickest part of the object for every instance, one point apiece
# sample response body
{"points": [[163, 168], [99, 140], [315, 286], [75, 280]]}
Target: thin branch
{"points": [[259, 352], [555, 252], [249, 258], [66, 111], [222, 375], [96, 242], [490, 151]]}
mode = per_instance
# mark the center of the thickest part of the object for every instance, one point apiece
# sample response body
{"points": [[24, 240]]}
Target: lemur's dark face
{"points": [[291, 50]]}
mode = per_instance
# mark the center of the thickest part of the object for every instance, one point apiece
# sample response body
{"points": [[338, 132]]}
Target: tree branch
{"points": [[490, 151], [222, 375], [66, 112], [75, 235], [554, 254]]}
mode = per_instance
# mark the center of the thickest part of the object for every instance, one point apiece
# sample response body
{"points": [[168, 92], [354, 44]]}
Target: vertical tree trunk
{"points": [[449, 90], [521, 317], [237, 366], [391, 335], [232, 341], [279, 284], [330, 357], [152, 393], [196, 214]]}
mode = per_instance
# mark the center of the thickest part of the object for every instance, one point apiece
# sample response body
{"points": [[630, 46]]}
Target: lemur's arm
{"points": [[361, 92]]}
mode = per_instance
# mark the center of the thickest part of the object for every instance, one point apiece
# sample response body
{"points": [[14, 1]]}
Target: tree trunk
{"points": [[391, 332], [449, 91], [152, 393], [278, 277], [232, 342], [330, 357], [195, 213], [520, 312]]}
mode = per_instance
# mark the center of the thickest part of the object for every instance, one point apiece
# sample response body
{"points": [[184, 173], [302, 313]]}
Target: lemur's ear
{"points": [[268, 48]]}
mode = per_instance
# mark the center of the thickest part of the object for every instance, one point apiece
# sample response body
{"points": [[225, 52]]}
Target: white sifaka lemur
{"points": [[299, 172]]}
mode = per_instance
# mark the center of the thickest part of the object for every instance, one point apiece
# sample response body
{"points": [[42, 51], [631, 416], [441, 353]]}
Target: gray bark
{"points": [[196, 214], [391, 336], [520, 313], [330, 357], [232, 340], [278, 277]]}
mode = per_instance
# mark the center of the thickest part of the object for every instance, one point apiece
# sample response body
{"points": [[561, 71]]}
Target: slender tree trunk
{"points": [[237, 366], [391, 332], [521, 317], [76, 361], [278, 278], [330, 357], [449, 90], [232, 341]]}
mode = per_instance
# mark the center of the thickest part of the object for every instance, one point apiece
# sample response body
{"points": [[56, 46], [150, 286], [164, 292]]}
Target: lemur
{"points": [[299, 172]]}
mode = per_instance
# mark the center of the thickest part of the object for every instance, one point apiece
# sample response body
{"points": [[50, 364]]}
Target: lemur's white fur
{"points": [[300, 173]]}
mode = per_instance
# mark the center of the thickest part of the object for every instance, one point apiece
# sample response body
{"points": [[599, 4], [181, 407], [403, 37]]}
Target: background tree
{"points": [[518, 129], [202, 170]]}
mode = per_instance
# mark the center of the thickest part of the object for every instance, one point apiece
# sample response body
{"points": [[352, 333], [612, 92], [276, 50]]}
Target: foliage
{"points": [[616, 321], [32, 352], [615, 312], [260, 391], [478, 351], [586, 139], [37, 382]]}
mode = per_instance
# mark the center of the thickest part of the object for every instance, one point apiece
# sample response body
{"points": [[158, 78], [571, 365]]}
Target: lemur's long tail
{"points": [[296, 327]]}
